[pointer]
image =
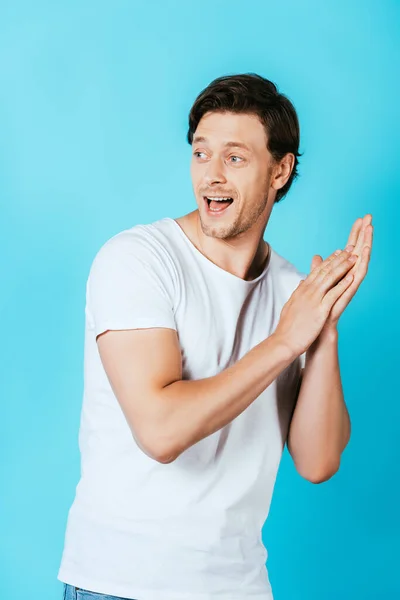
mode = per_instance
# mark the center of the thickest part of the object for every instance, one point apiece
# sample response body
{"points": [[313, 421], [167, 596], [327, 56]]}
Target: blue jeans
{"points": [[73, 593]]}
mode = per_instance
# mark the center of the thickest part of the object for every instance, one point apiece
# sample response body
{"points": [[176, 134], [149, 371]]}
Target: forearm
{"points": [[191, 410], [320, 426]]}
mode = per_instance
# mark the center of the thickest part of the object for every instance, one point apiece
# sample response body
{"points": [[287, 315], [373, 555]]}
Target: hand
{"points": [[305, 313], [359, 243]]}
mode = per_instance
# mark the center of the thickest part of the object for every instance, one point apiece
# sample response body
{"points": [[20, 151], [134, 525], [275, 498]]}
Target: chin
{"points": [[220, 227], [220, 231]]}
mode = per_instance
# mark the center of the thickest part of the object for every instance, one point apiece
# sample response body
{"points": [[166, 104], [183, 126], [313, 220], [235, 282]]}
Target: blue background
{"points": [[94, 100]]}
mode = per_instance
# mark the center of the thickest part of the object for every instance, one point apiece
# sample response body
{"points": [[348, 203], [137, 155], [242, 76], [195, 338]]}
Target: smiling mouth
{"points": [[218, 205]]}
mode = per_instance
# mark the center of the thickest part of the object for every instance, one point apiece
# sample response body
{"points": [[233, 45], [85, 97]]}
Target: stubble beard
{"points": [[241, 224]]}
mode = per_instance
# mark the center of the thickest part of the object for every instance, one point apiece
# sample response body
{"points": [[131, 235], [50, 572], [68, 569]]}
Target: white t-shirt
{"points": [[190, 529]]}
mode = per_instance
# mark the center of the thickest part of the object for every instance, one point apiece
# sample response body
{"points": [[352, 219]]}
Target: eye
{"points": [[236, 157], [197, 152]]}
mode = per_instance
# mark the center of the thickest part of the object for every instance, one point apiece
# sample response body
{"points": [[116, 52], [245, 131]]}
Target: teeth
{"points": [[218, 199]]}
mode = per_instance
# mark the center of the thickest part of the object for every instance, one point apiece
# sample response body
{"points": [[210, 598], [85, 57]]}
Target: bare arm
{"points": [[167, 414], [320, 426]]}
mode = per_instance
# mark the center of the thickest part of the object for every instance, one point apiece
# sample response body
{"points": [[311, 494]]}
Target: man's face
{"points": [[222, 168]]}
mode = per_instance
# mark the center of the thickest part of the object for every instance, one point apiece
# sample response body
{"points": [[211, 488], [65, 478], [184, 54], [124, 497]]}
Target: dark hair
{"points": [[250, 93]]}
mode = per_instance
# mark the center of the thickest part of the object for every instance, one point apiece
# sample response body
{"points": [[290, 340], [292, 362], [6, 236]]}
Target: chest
{"points": [[219, 323]]}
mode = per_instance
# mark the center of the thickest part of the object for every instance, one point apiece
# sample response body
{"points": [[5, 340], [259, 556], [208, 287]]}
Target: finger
{"points": [[334, 294], [350, 291], [329, 277], [317, 260], [365, 241], [346, 297], [366, 220], [360, 240], [368, 236], [364, 262], [328, 266], [354, 233], [325, 264]]}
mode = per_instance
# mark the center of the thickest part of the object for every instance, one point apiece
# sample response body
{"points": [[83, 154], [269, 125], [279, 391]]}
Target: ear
{"points": [[282, 171], [317, 260]]}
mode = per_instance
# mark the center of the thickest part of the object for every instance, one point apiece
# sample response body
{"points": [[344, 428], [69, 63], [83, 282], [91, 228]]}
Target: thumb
{"points": [[317, 260]]}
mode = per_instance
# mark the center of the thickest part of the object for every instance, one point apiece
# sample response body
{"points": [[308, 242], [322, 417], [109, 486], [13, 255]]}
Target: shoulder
{"points": [[143, 243], [136, 256]]}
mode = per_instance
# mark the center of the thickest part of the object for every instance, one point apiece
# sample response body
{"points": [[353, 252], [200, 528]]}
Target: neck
{"points": [[244, 255]]}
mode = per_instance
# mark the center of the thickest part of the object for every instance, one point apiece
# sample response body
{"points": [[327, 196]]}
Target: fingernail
{"points": [[349, 248]]}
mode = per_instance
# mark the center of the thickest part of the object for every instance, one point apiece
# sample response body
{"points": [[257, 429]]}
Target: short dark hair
{"points": [[250, 93]]}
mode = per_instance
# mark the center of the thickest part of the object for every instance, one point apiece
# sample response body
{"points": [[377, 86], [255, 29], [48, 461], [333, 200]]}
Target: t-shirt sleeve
{"points": [[128, 288]]}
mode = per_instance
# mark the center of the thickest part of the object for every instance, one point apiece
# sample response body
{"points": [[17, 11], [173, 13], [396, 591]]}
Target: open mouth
{"points": [[217, 205]]}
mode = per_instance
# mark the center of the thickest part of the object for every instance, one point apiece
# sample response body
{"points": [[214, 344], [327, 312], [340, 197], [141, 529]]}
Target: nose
{"points": [[215, 172]]}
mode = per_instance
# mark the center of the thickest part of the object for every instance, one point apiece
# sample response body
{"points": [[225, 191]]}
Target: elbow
{"points": [[161, 454], [165, 457], [156, 448], [322, 473]]}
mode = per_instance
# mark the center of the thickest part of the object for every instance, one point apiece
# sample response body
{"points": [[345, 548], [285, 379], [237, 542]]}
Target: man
{"points": [[205, 352]]}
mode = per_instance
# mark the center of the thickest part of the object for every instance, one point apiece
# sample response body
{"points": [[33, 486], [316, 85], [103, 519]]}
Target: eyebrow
{"points": [[200, 138]]}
